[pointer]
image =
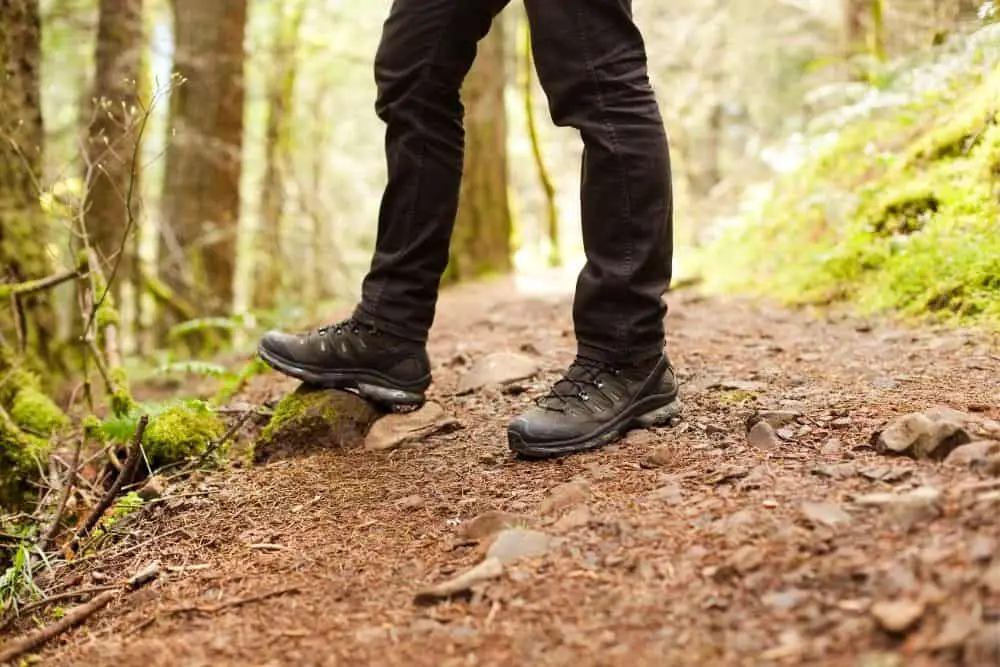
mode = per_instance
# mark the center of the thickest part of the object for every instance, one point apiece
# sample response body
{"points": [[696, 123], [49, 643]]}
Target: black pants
{"points": [[591, 63]]}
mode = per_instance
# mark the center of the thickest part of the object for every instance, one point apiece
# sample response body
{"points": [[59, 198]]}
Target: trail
{"points": [[706, 553]]}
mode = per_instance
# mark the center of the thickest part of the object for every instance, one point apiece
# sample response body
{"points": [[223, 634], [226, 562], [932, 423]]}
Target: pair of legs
{"points": [[591, 62]]}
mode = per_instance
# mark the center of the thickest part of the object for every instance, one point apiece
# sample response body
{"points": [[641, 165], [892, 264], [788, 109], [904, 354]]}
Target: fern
{"points": [[193, 367], [121, 428], [201, 324]]}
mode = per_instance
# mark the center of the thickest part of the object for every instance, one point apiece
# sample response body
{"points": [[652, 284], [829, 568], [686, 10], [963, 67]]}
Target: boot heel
{"points": [[661, 416], [391, 399]]}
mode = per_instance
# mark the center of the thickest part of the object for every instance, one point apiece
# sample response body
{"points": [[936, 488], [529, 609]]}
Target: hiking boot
{"points": [[381, 367], [593, 405]]}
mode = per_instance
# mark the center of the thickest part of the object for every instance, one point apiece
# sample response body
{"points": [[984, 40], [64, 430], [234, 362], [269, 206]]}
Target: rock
{"points": [[490, 523], [153, 488], [499, 368], [715, 429], [659, 458], [514, 544], [762, 436], [899, 616], [776, 418], [565, 496], [932, 434], [491, 568], [826, 514], [834, 471], [832, 447], [671, 494], [991, 579], [886, 474], [983, 648], [577, 518], [411, 502], [958, 626], [982, 549], [312, 419], [398, 429], [785, 600], [907, 509], [973, 455]]}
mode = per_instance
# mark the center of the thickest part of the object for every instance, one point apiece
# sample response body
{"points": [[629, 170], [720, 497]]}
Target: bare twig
{"points": [[233, 430], [52, 599], [53, 529], [127, 471], [74, 617]]}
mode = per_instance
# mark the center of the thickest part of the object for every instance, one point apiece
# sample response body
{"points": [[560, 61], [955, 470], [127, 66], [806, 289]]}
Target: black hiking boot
{"points": [[383, 368], [593, 405]]}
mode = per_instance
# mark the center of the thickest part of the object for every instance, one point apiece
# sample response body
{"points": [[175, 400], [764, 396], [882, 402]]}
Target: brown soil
{"points": [[720, 567]]}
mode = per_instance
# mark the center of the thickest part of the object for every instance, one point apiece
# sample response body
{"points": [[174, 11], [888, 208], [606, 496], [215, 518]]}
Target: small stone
{"points": [[491, 568], [842, 422], [516, 543], [397, 429], [907, 509], [899, 616], [490, 523], [958, 626], [574, 519], [826, 514], [991, 579], [671, 494], [411, 502], [499, 368], [785, 600], [153, 488], [982, 549], [832, 447], [565, 496], [762, 436], [928, 435], [716, 429], [660, 457], [776, 418], [974, 454]]}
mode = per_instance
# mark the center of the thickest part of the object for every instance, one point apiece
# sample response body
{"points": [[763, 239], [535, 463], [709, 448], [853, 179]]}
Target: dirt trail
{"points": [[703, 554]]}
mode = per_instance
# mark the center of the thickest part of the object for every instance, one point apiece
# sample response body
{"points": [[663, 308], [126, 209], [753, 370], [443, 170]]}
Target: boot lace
{"points": [[349, 325], [584, 379]]}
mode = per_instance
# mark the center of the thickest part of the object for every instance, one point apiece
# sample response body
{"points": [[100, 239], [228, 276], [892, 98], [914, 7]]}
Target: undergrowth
{"points": [[897, 211]]}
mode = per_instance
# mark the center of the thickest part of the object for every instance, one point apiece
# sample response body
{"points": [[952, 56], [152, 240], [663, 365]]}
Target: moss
{"points": [[898, 215], [310, 418], [93, 429], [21, 455], [21, 393], [179, 432], [121, 398]]}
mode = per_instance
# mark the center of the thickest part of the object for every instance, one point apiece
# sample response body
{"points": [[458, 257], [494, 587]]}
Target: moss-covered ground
{"points": [[899, 214]]}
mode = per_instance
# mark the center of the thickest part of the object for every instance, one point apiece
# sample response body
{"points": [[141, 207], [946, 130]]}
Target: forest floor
{"points": [[685, 545]]}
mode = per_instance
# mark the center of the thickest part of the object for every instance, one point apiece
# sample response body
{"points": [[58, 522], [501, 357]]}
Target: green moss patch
{"points": [[310, 419], [900, 214]]}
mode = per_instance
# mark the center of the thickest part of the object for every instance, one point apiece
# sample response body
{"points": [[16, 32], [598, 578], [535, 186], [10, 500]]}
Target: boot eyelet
{"points": [[584, 396], [599, 384]]}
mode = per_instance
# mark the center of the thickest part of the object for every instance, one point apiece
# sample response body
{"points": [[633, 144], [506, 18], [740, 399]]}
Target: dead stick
{"points": [[53, 530], [65, 595], [127, 471], [74, 617]]}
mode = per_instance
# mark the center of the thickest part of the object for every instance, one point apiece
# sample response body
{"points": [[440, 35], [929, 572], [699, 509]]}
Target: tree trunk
{"points": [[481, 244], [115, 117], [270, 270], [201, 194], [29, 322]]}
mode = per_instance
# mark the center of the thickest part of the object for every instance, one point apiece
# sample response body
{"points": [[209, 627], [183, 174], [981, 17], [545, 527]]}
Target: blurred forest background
{"points": [[177, 176]]}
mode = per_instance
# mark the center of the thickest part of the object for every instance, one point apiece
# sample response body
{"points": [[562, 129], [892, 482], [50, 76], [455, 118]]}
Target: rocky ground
{"points": [[780, 522]]}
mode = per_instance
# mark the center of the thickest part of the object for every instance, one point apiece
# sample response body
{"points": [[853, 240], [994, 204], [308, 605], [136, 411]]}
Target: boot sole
{"points": [[641, 415], [370, 385]]}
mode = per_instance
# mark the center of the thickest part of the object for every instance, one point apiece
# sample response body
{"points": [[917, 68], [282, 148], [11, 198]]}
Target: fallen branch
{"points": [[74, 617], [77, 615], [59, 597], [124, 476], [67, 490]]}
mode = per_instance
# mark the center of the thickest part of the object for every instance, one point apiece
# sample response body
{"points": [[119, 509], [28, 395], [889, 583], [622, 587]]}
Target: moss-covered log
{"points": [[309, 419]]}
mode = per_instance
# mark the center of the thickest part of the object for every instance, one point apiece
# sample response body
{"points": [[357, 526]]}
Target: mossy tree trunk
{"points": [[115, 116], [864, 31], [29, 323], [201, 194], [270, 270], [481, 244]]}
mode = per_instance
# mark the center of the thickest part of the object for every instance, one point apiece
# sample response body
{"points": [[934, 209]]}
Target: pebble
{"points": [[565, 496], [898, 616], [514, 544], [398, 429], [660, 457], [499, 368], [762, 436], [490, 523], [827, 514], [931, 434]]}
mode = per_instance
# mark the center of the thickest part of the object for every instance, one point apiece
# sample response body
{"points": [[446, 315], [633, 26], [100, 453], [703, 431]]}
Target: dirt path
{"points": [[704, 554]]}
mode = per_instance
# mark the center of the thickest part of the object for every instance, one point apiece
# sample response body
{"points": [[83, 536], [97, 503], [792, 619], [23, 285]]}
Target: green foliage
{"points": [[193, 367], [202, 325], [177, 430], [899, 214], [18, 578]]}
